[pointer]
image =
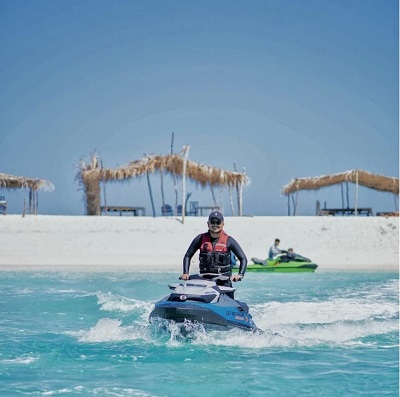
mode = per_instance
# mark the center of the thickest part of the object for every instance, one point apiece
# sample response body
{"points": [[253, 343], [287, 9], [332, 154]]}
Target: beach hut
{"points": [[91, 174], [32, 184], [358, 177]]}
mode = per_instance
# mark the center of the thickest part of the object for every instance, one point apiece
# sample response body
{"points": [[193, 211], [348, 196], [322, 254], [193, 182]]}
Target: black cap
{"points": [[216, 214]]}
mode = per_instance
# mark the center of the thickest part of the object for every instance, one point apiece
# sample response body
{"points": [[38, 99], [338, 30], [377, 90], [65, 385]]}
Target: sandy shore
{"points": [[145, 243]]}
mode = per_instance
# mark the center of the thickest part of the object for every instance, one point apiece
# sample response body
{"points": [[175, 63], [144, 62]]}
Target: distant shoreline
{"points": [[108, 243], [177, 270]]}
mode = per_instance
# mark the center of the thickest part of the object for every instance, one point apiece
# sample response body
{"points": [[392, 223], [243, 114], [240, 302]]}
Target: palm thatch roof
{"points": [[360, 177], [92, 173], [17, 182], [33, 184], [173, 164]]}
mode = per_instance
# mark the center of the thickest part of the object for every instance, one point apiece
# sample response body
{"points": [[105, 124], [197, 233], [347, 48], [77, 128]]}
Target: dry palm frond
{"points": [[199, 173], [16, 182], [91, 174], [364, 178]]}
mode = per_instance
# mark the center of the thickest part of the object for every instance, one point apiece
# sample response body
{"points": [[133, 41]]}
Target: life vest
{"points": [[215, 258]]}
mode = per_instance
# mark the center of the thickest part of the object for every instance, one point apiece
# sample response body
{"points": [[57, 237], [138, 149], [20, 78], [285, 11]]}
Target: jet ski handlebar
{"points": [[208, 276]]}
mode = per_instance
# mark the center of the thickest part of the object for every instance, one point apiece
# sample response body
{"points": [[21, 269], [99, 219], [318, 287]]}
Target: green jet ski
{"points": [[283, 264]]}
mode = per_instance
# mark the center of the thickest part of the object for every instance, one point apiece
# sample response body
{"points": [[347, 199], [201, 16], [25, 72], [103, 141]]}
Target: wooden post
{"points": [[341, 188], [185, 160], [213, 196], [151, 193], [317, 207], [174, 178], [24, 208], [36, 202], [241, 199], [221, 199], [237, 191], [30, 200], [104, 191], [356, 195], [295, 203], [231, 201], [162, 189]]}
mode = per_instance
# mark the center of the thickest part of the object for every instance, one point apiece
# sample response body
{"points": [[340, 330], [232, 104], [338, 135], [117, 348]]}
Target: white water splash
{"points": [[276, 313], [24, 360], [346, 321], [117, 303], [109, 330]]}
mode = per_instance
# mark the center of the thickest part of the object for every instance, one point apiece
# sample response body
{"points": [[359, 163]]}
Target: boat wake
{"points": [[344, 322]]}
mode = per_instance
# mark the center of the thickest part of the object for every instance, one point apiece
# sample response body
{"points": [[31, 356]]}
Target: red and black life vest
{"points": [[214, 256]]}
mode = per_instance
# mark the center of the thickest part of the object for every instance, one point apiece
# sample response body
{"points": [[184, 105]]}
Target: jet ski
{"points": [[285, 263], [203, 301]]}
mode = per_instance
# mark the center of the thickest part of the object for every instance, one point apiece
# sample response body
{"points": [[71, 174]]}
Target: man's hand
{"points": [[236, 277], [184, 276]]}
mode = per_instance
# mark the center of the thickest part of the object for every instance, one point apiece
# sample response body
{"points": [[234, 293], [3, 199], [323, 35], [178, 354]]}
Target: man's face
{"points": [[215, 225]]}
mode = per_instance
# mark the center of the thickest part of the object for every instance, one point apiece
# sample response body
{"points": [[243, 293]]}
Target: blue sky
{"points": [[281, 88]]}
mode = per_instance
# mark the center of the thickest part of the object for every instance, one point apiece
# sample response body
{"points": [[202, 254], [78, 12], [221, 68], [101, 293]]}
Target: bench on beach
{"points": [[344, 211], [136, 211]]}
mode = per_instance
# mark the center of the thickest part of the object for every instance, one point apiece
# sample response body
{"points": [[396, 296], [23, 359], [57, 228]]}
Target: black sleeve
{"points": [[193, 247], [237, 250]]}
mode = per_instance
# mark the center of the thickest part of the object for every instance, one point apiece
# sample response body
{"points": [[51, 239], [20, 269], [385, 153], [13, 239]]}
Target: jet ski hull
{"points": [[206, 304], [284, 264], [283, 267], [219, 318]]}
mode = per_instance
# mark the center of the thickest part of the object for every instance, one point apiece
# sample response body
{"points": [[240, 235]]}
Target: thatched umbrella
{"points": [[33, 184], [90, 175], [359, 177]]}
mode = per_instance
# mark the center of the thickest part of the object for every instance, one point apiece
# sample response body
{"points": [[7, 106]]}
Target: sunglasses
{"points": [[215, 222]]}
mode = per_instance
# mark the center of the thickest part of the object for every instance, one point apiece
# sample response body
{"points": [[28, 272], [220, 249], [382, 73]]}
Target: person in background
{"points": [[287, 256], [290, 253], [215, 248], [274, 252]]}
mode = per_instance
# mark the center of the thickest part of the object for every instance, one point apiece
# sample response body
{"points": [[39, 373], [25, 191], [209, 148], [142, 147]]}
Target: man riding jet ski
{"points": [[208, 298], [216, 249]]}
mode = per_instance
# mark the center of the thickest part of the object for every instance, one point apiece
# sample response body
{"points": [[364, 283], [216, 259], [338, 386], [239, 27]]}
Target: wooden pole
{"points": [[231, 201], [36, 202], [151, 193], [237, 191], [24, 208], [221, 199], [174, 178], [162, 189], [295, 203], [104, 192], [356, 195], [341, 188], [30, 200], [213, 196], [241, 199], [185, 159]]}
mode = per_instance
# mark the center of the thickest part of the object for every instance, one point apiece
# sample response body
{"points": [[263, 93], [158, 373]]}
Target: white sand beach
{"points": [[146, 243]]}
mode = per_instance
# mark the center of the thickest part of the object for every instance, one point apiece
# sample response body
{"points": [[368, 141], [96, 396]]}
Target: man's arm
{"points": [[193, 247], [237, 250]]}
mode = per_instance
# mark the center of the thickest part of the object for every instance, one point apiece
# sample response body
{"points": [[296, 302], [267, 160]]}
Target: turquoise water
{"points": [[87, 334]]}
